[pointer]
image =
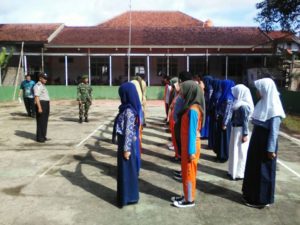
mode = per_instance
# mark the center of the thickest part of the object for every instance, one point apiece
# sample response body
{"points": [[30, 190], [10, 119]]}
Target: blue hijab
{"points": [[129, 98], [226, 86], [208, 80], [216, 85]]}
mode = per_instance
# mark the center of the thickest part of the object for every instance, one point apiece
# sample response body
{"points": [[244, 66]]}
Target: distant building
{"points": [[161, 42]]}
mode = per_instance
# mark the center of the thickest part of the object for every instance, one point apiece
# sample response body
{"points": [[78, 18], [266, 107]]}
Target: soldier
{"points": [[84, 98]]}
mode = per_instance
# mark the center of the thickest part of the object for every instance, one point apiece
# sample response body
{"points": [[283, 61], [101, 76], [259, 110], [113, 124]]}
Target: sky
{"points": [[93, 12]]}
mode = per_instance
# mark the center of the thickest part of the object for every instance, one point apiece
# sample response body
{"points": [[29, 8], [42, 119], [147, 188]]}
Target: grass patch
{"points": [[292, 123]]}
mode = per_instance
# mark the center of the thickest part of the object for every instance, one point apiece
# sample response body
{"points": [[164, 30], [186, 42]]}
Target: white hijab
{"points": [[269, 105], [242, 97]]}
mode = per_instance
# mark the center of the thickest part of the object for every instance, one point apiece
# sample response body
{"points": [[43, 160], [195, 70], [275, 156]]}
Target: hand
{"points": [[244, 139], [271, 155], [192, 157], [40, 110], [224, 127], [126, 155]]}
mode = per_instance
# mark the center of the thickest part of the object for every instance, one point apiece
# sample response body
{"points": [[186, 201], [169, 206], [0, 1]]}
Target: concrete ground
{"points": [[72, 178]]}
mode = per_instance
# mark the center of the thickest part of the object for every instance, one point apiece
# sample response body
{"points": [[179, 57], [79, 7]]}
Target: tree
{"points": [[279, 13], [4, 58]]}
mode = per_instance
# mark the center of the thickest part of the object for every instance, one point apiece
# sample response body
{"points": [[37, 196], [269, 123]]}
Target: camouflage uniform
{"points": [[84, 94]]}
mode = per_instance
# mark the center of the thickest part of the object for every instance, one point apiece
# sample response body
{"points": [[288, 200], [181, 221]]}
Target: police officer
{"points": [[42, 106], [84, 98], [28, 97]]}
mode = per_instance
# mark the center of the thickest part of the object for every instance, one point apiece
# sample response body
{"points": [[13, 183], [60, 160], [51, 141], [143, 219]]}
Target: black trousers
{"points": [[29, 105], [42, 121]]}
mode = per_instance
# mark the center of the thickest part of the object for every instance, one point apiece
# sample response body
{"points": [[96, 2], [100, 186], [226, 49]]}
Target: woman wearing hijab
{"points": [[212, 130], [239, 139], [126, 128], [224, 113], [207, 95], [259, 181], [191, 115]]}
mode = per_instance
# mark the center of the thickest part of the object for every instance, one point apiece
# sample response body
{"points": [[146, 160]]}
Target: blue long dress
{"points": [[207, 95], [260, 172], [224, 113], [127, 185], [126, 128], [216, 84]]}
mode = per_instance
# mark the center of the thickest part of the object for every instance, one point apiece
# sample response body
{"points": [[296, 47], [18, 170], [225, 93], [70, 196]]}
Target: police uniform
{"points": [[41, 91], [84, 95]]}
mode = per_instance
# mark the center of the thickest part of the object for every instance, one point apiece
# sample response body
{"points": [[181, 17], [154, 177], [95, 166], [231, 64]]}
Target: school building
{"points": [[158, 42]]}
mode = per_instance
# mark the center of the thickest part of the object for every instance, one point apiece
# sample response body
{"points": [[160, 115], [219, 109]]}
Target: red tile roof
{"points": [[172, 36], [282, 35], [27, 32], [157, 19]]}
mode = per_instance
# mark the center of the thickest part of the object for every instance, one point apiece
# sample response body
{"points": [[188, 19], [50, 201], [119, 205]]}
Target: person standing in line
{"points": [[224, 114], [212, 130], [191, 116], [28, 96], [260, 172], [166, 82], [42, 103], [239, 139], [207, 95], [84, 98], [126, 129]]}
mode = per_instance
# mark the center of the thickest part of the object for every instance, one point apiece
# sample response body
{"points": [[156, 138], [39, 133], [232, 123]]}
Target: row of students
{"points": [[230, 107]]}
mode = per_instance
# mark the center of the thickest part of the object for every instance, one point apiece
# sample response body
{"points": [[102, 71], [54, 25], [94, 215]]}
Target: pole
{"points": [[206, 65], [89, 66], [188, 63], [226, 69], [129, 41], [43, 60], [25, 65], [148, 69], [66, 70], [18, 72], [0, 76], [110, 70]]}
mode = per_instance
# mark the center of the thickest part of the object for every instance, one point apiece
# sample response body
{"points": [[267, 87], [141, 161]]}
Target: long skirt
{"points": [[127, 178], [260, 172], [205, 129], [237, 153], [212, 131], [221, 147]]}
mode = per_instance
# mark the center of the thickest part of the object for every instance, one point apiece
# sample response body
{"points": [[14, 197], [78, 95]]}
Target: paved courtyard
{"points": [[71, 179]]}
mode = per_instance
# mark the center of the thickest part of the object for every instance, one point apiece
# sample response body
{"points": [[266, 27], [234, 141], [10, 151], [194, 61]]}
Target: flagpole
{"points": [[129, 41]]}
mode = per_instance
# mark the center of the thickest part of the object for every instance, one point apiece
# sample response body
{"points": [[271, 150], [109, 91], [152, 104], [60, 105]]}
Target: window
{"points": [[162, 66], [198, 65], [62, 60], [137, 65], [99, 70]]}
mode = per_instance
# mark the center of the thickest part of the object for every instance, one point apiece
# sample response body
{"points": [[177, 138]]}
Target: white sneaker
{"points": [[171, 148], [183, 204]]}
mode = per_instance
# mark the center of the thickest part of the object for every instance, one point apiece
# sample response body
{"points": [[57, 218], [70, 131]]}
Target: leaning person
{"points": [[84, 98], [42, 103], [259, 181], [191, 116], [239, 139], [126, 129]]}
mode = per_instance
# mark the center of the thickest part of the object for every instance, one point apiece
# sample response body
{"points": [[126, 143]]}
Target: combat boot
{"points": [[80, 119], [86, 120]]}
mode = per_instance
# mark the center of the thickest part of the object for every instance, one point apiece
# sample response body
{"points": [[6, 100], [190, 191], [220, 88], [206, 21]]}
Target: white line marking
{"points": [[90, 135], [288, 168], [295, 140], [50, 168]]}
